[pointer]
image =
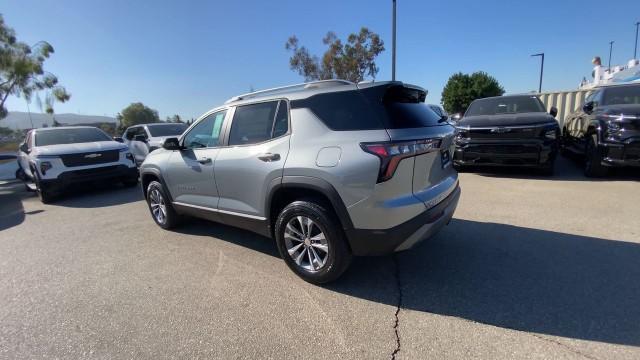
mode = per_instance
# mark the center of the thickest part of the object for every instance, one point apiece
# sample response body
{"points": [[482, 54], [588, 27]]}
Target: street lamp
{"points": [[610, 51], [635, 50], [393, 44], [541, 70]]}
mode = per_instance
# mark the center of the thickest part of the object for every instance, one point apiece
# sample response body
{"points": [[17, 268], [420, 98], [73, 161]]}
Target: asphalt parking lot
{"points": [[530, 267]]}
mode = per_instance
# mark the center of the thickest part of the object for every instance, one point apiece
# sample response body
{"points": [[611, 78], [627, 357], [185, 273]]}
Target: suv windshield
{"points": [[166, 129], [70, 136], [621, 95], [505, 105]]}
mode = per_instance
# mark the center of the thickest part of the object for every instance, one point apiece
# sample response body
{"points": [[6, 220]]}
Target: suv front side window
{"points": [[206, 133]]}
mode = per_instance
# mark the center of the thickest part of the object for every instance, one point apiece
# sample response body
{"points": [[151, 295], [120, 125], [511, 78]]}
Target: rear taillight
{"points": [[391, 153]]}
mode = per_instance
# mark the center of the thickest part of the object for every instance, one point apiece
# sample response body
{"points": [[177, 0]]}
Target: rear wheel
{"points": [[161, 210], [593, 158], [311, 242]]}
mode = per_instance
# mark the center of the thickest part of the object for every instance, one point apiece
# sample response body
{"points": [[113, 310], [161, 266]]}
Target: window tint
{"points": [[621, 95], [505, 105], [344, 110], [206, 133], [281, 124], [252, 123], [166, 129], [70, 136]]}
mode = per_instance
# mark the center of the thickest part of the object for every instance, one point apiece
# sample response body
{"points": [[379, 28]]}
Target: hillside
{"points": [[20, 120]]}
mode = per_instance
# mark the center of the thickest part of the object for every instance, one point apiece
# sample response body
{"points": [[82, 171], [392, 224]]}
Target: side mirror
{"points": [[140, 138], [588, 107], [24, 148], [554, 111], [171, 144], [118, 139]]}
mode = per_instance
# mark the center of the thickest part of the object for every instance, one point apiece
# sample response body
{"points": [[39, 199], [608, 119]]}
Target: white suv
{"points": [[54, 158], [145, 138]]}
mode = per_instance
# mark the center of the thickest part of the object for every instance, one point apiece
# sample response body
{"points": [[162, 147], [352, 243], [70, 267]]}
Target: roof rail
{"points": [[301, 86]]}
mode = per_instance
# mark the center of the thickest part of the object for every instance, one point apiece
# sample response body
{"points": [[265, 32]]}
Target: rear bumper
{"points": [[621, 154], [367, 242], [511, 153], [67, 178]]}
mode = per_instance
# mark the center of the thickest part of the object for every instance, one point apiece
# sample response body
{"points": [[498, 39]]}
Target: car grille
{"points": [[90, 158], [506, 133]]}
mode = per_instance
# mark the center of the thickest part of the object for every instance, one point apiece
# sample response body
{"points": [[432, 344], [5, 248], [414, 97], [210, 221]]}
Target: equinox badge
{"points": [[92, 156]]}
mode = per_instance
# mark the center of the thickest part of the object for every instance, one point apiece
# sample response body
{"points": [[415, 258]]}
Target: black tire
{"points": [[170, 218], [548, 168], [337, 257], [593, 158], [45, 196]]}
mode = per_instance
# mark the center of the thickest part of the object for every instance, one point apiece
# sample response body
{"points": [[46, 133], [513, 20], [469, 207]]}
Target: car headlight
{"points": [[551, 134]]}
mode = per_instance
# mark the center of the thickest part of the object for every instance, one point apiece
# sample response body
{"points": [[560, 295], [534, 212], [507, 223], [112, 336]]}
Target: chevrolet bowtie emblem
{"points": [[92, 156]]}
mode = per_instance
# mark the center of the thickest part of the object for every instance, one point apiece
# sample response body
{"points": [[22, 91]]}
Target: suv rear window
{"points": [[395, 107]]}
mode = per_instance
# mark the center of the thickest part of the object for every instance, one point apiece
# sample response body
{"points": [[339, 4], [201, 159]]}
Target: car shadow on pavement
{"points": [[98, 195], [567, 169], [244, 238], [517, 278], [11, 210]]}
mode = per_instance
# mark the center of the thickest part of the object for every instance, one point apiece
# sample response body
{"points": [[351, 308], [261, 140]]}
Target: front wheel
{"points": [[161, 210], [593, 158], [311, 242]]}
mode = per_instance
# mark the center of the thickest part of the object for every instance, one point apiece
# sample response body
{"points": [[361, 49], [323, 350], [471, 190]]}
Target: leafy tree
{"points": [[22, 73], [175, 119], [351, 61], [137, 113], [461, 89]]}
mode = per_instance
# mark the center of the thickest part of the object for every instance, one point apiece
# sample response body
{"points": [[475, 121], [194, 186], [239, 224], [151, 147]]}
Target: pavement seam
{"points": [[398, 306], [564, 346]]}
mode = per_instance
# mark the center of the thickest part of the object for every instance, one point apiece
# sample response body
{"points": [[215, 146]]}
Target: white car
{"points": [[145, 138], [52, 159]]}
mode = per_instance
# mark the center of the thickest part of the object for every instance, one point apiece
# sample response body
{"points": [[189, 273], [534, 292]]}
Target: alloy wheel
{"points": [[306, 243], [158, 206]]}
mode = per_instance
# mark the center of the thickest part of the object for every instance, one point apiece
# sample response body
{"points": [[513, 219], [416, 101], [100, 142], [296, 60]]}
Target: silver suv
{"points": [[329, 169], [145, 138]]}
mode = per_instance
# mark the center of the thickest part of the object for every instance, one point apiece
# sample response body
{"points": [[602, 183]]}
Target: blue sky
{"points": [[185, 57]]}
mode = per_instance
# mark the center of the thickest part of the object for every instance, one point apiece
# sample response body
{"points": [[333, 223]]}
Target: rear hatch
{"points": [[413, 126]]}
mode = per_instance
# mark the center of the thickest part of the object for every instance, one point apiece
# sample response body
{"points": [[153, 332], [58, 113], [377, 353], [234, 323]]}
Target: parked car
{"points": [[439, 111], [508, 131], [329, 169], [56, 158], [145, 138], [606, 130]]}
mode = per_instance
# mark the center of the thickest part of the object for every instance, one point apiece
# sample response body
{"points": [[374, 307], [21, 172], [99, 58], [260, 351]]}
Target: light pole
{"points": [[635, 50], [393, 44], [541, 70], [610, 51]]}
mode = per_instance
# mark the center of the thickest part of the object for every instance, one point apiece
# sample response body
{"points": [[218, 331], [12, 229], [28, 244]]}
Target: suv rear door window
{"points": [[253, 123]]}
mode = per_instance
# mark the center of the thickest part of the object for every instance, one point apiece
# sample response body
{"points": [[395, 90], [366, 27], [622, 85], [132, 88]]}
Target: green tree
{"points": [[136, 113], [175, 119], [22, 71], [353, 60], [461, 89]]}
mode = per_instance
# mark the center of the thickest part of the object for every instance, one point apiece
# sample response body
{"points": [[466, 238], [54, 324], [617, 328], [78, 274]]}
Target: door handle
{"points": [[269, 157], [204, 160]]}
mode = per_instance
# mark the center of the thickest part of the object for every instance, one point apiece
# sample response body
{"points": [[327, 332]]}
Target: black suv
{"points": [[606, 130]]}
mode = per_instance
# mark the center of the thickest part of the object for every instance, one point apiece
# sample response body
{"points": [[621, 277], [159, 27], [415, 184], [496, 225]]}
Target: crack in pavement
{"points": [[398, 306]]}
